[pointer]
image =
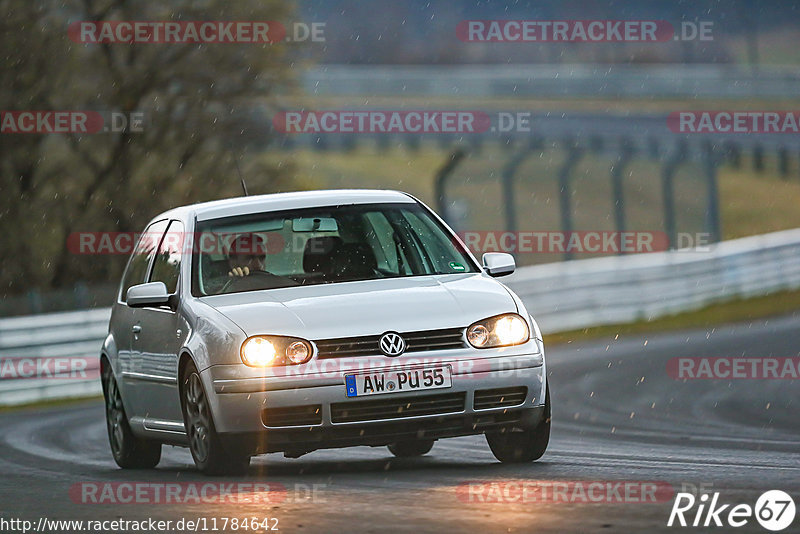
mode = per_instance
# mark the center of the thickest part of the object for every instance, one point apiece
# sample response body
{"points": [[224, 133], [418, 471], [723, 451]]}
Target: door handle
{"points": [[136, 329]]}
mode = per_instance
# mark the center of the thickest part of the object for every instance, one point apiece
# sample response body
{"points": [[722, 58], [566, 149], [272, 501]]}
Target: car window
{"points": [[360, 242], [139, 263], [437, 254], [166, 266], [380, 238]]}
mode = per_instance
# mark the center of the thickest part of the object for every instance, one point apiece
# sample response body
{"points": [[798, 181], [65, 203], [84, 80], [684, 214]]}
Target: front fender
{"points": [[214, 339], [111, 352]]}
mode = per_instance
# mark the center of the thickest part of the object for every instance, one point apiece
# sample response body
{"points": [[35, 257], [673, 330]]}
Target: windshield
{"points": [[321, 246]]}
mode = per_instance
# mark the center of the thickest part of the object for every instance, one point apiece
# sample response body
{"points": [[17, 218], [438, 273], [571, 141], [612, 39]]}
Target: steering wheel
{"points": [[256, 280]]}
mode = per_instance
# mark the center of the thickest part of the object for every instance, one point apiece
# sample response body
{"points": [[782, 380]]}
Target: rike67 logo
{"points": [[774, 510]]}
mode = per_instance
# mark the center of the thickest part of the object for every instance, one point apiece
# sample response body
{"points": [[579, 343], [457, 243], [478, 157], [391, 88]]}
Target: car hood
{"points": [[366, 307]]}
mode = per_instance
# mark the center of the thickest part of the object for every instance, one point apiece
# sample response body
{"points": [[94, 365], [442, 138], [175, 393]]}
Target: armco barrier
{"points": [[77, 334], [577, 294], [562, 296], [553, 80]]}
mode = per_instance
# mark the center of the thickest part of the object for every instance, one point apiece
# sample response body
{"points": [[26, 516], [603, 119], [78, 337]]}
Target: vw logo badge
{"points": [[392, 344]]}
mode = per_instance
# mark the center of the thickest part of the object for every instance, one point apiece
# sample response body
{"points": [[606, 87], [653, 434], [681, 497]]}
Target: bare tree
{"points": [[193, 98]]}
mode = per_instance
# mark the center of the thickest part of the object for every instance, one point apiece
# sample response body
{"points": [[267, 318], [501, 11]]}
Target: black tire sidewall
{"points": [[220, 460], [134, 452], [526, 446], [411, 448]]}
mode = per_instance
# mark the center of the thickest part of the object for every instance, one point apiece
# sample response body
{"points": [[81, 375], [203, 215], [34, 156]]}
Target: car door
{"points": [[125, 324], [162, 332]]}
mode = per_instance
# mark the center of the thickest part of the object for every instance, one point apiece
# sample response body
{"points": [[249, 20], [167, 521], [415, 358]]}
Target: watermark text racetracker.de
{"points": [[53, 368], [564, 492], [195, 32], [381, 121], [70, 122], [581, 242], [181, 493], [734, 122], [124, 243], [422, 121], [734, 368], [581, 31]]}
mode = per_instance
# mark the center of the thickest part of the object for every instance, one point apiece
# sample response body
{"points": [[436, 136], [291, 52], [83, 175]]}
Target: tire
{"points": [[209, 454], [410, 448], [129, 451], [526, 446]]}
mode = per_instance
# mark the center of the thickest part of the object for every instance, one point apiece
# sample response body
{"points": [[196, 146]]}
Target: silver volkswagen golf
{"points": [[300, 321]]}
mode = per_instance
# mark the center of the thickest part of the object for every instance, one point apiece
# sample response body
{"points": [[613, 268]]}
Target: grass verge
{"points": [[49, 403], [751, 203]]}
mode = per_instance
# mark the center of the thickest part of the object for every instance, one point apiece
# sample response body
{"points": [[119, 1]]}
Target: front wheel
{"points": [[210, 455], [129, 451], [526, 446]]}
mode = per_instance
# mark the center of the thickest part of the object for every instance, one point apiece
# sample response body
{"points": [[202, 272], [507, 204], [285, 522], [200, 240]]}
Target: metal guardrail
{"points": [[77, 334], [620, 289], [562, 296], [553, 80]]}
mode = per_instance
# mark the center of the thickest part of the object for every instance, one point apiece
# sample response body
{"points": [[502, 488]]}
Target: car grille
{"points": [[348, 412], [499, 398], [345, 347], [292, 416]]}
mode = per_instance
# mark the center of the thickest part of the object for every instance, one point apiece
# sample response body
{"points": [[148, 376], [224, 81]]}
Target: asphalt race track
{"points": [[618, 416]]}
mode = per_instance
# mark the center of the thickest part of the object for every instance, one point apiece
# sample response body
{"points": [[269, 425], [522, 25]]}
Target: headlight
{"points": [[498, 331], [272, 351], [298, 352]]}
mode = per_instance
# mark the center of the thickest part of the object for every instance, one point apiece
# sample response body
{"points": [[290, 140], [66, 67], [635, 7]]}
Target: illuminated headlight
{"points": [[498, 331], [271, 351]]}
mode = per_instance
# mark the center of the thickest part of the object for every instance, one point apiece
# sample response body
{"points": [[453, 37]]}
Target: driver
{"points": [[246, 255]]}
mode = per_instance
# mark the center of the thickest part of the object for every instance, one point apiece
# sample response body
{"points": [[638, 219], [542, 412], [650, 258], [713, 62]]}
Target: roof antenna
{"points": [[241, 176]]}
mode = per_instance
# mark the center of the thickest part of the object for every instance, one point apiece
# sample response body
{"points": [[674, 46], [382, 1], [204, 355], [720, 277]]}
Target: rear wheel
{"points": [[412, 447], [526, 446], [129, 451], [210, 455]]}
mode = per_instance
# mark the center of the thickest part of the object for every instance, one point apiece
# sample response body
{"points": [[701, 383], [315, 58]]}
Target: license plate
{"points": [[404, 380]]}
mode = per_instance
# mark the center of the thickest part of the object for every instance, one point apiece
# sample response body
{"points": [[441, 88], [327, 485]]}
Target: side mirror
{"points": [[152, 294], [498, 263]]}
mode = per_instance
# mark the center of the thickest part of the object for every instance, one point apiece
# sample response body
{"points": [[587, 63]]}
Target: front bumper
{"points": [[241, 405]]}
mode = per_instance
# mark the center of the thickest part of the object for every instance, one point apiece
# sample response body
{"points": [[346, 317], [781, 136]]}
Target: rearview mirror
{"points": [[152, 294], [498, 263], [315, 224]]}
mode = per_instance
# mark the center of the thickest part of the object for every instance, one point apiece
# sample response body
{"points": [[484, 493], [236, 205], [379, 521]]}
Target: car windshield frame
{"points": [[457, 247]]}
